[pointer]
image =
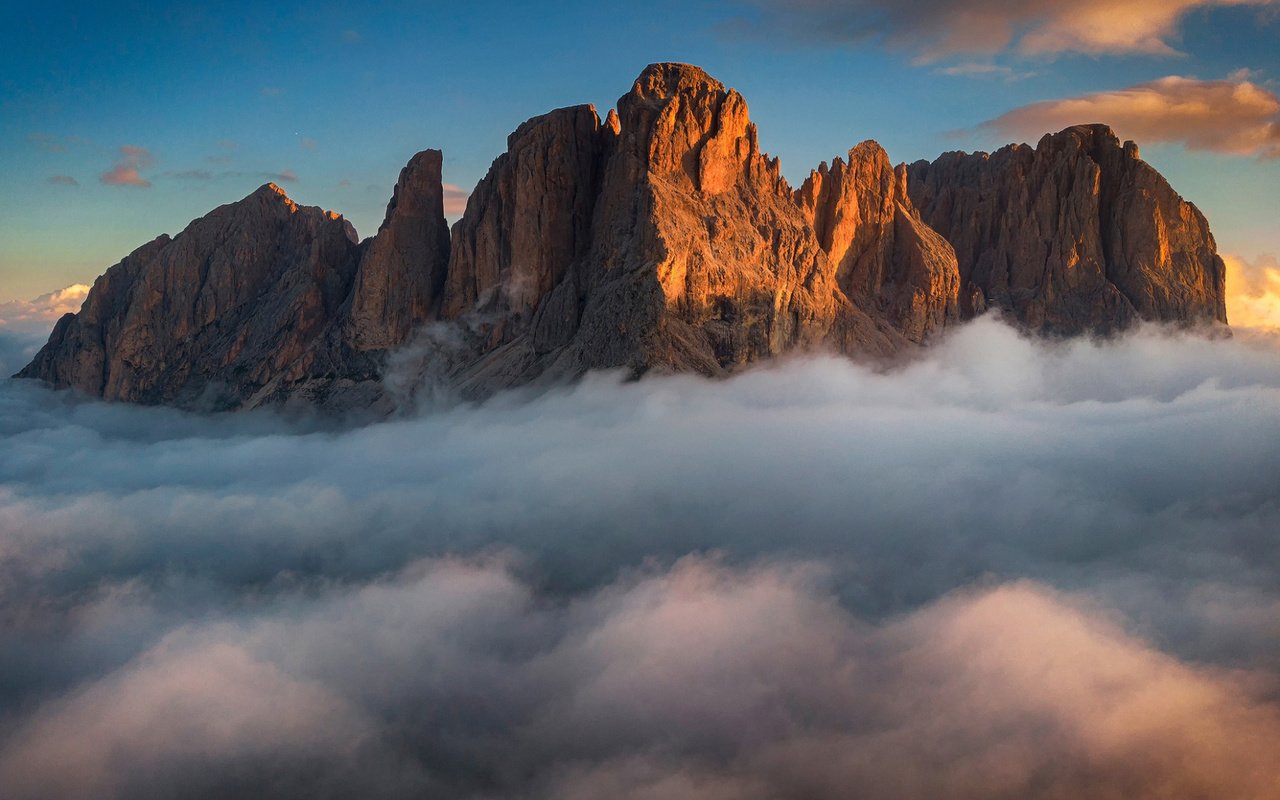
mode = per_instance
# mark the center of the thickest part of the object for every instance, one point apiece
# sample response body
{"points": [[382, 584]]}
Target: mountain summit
{"points": [[658, 238]]}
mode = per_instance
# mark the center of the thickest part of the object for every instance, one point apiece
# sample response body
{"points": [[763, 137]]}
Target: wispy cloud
{"points": [[351, 36], [63, 180], [283, 176], [985, 70], [308, 143], [455, 199], [46, 142], [126, 171], [272, 91], [938, 29], [1236, 117]]}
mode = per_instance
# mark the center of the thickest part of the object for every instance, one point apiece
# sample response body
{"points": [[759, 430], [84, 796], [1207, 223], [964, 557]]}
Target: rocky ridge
{"points": [[659, 238], [1077, 235]]}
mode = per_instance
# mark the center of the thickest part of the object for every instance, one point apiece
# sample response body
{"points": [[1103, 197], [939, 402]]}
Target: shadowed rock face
{"points": [[1077, 235], [212, 315], [529, 218], [658, 239], [260, 301], [699, 259], [402, 270]]}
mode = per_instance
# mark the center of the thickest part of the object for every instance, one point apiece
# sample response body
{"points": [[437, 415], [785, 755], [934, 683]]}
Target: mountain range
{"points": [[657, 238]]}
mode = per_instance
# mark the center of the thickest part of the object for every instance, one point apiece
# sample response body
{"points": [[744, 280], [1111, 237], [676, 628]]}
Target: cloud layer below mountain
{"points": [[1009, 569]]}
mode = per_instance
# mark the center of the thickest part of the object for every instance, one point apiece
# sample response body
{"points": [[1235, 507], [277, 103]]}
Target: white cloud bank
{"points": [[1009, 570]]}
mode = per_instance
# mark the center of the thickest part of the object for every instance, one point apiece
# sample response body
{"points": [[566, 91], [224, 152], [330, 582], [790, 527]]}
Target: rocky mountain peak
{"points": [[414, 192], [663, 81], [681, 124], [658, 239], [401, 273], [271, 195]]}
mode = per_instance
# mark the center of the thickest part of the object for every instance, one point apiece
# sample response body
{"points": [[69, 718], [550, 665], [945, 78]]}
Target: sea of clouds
{"points": [[1010, 569]]}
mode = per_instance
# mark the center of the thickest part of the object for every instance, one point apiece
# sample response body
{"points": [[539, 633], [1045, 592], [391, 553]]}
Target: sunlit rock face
{"points": [[658, 239], [883, 252], [695, 220], [1076, 235]]}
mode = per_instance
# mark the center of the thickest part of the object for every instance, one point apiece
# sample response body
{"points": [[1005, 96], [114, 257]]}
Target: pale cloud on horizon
{"points": [[1253, 292], [939, 29], [455, 199], [46, 308], [1234, 117], [25, 325]]}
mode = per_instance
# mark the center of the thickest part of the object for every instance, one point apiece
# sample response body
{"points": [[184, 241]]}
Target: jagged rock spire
{"points": [[658, 239]]}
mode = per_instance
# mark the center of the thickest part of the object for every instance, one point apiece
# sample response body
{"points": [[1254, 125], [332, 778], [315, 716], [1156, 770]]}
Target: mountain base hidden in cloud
{"points": [[1014, 569], [659, 239]]}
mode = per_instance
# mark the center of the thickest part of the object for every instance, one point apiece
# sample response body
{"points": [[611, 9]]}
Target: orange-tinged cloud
{"points": [[44, 309], [1253, 292], [123, 175], [126, 171], [937, 29], [455, 199], [1236, 117]]}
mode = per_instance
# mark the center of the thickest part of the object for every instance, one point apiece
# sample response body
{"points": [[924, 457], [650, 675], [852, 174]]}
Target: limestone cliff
{"points": [[260, 301], [402, 269], [211, 315], [660, 238], [882, 250], [1076, 235]]}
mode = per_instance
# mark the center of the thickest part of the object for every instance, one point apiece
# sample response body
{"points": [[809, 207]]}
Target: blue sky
{"points": [[331, 99]]}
